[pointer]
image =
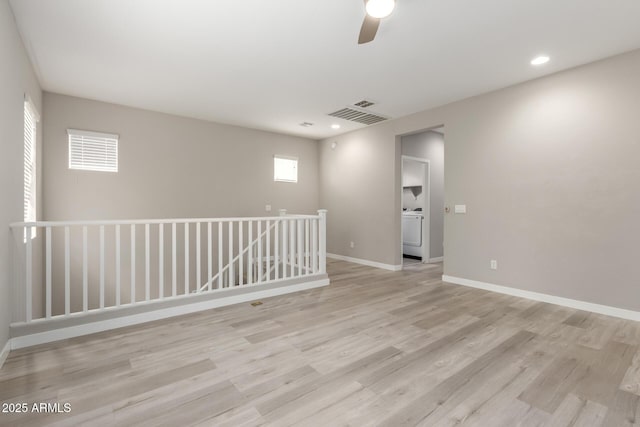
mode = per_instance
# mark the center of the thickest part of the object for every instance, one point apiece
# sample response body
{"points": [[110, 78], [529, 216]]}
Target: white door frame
{"points": [[426, 208]]}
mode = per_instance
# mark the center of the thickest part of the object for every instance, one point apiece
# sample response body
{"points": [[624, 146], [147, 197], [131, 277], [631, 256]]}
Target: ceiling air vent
{"points": [[363, 104], [358, 116]]}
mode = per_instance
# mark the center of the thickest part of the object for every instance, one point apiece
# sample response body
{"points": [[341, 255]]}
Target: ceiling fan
{"points": [[376, 10]]}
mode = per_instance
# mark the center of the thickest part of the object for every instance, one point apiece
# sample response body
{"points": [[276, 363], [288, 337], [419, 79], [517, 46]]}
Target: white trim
{"points": [[105, 325], [416, 159], [32, 107], [436, 259], [375, 264], [5, 352], [92, 134], [551, 299], [157, 221], [426, 206]]}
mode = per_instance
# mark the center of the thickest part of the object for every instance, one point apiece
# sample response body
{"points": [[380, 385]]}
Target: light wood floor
{"points": [[374, 348]]}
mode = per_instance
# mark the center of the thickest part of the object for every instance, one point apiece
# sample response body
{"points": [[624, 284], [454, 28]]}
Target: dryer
{"points": [[412, 233]]}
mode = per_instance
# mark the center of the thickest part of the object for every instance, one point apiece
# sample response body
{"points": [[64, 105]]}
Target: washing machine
{"points": [[412, 233]]}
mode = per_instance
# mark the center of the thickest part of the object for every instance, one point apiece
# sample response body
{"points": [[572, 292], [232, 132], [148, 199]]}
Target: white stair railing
{"points": [[251, 246], [79, 267]]}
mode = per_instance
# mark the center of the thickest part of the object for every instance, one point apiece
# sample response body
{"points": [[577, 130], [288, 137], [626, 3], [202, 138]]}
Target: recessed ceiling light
{"points": [[335, 126], [540, 60], [380, 8]]}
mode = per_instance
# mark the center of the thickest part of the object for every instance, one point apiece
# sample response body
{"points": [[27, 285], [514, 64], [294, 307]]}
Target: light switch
{"points": [[267, 208], [461, 209]]}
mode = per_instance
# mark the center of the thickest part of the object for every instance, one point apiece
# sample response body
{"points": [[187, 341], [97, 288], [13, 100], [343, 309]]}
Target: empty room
{"points": [[332, 213]]}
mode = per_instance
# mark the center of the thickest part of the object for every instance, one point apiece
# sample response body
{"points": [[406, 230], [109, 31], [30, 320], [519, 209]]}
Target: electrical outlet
{"points": [[267, 208], [494, 264], [352, 244]]}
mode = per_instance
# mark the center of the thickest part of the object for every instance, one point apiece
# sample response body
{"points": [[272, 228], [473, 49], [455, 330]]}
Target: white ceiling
{"points": [[274, 64]]}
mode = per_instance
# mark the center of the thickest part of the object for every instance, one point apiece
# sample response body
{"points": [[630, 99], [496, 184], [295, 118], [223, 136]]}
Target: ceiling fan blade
{"points": [[369, 29]]}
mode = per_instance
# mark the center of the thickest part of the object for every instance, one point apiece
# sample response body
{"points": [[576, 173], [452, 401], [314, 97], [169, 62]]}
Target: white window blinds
{"points": [[285, 169], [93, 151], [30, 121]]}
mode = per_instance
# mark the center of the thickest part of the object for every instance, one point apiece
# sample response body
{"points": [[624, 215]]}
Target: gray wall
{"points": [[169, 167], [549, 173], [357, 178], [430, 146], [16, 79]]}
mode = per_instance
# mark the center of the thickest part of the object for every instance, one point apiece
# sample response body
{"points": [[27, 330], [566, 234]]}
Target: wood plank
{"points": [[623, 410], [397, 348], [453, 388], [575, 411], [554, 384], [495, 400], [607, 369], [631, 381]]}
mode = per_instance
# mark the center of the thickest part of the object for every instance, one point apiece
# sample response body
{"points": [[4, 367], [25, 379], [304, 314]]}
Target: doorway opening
{"points": [[422, 198]]}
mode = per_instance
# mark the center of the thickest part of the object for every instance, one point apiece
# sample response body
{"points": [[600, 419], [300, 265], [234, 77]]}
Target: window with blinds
{"points": [[285, 169], [30, 121], [93, 151]]}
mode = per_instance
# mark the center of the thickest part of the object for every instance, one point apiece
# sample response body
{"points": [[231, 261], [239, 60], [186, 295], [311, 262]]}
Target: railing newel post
{"points": [[323, 240]]}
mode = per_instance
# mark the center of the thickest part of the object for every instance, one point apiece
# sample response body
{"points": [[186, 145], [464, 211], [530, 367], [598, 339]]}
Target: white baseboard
{"points": [[105, 325], [5, 352], [551, 299], [436, 259], [366, 262]]}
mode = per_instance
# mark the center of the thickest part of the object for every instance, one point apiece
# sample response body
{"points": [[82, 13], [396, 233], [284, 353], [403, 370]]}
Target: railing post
{"points": [[209, 256], [300, 245], [67, 272], [307, 266], [29, 274], [133, 264], [230, 270], [198, 258], [268, 249], [161, 261], [259, 252], [314, 246], [48, 274], [250, 253], [292, 247], [240, 253], [323, 240], [147, 263], [186, 258], [285, 238], [285, 228], [102, 266], [220, 255], [85, 269], [276, 251], [174, 261], [118, 269]]}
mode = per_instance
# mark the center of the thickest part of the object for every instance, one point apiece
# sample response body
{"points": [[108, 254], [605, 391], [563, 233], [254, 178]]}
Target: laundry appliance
{"points": [[412, 233]]}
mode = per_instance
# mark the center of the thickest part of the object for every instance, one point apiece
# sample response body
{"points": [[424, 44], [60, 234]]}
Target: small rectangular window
{"points": [[285, 169], [93, 151]]}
